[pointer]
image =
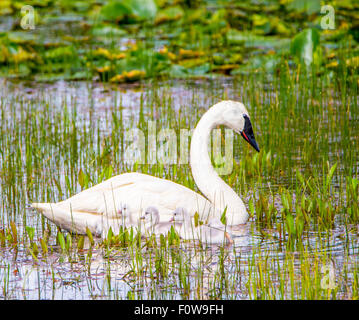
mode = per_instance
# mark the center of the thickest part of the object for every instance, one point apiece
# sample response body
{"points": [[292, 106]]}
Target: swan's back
{"points": [[138, 190]]}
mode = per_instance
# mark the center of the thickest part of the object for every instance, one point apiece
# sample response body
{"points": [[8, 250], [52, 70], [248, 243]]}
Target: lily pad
{"points": [[116, 10], [250, 40], [169, 14], [61, 53], [268, 63], [107, 30], [308, 6], [131, 76], [22, 36]]}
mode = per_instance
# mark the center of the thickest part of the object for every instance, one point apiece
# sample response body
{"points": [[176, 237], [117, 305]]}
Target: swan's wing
{"points": [[138, 191], [99, 198]]}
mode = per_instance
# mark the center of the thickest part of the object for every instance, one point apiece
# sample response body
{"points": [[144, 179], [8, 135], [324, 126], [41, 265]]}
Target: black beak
{"points": [[248, 134]]}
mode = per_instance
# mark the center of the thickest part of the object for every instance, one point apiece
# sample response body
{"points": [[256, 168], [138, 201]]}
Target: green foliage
{"points": [[305, 47], [306, 6], [144, 39], [117, 10], [301, 190]]}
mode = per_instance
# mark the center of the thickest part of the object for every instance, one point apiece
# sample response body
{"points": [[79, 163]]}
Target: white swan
{"points": [[203, 233], [139, 191], [153, 224]]}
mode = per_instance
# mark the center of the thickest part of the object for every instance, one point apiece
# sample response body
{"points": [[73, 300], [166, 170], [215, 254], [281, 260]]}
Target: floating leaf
{"points": [[268, 63], [60, 53], [102, 52], [250, 40], [309, 6], [144, 9], [186, 54], [169, 14], [116, 10], [130, 76], [226, 68], [261, 24], [107, 31]]}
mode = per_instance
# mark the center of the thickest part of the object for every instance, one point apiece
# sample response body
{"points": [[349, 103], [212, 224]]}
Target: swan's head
{"points": [[235, 116], [151, 216], [180, 215]]}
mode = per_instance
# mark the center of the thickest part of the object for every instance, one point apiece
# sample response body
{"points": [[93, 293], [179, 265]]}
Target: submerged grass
{"points": [[301, 191]]}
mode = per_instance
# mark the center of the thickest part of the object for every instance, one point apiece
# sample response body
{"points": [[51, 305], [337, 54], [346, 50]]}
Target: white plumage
{"points": [[101, 204], [153, 224]]}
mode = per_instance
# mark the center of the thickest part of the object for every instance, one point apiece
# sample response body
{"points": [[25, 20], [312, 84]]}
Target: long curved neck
{"points": [[208, 181]]}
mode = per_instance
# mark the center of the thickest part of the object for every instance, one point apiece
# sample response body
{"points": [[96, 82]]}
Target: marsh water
{"points": [[51, 131]]}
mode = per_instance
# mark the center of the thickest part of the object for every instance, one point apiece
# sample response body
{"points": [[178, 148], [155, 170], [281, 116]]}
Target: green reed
{"points": [[300, 190]]}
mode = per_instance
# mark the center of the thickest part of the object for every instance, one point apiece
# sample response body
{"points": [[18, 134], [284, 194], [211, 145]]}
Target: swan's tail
{"points": [[69, 220]]}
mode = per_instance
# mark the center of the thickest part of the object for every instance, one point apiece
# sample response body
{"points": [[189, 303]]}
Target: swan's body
{"points": [[91, 208], [153, 224], [203, 233]]}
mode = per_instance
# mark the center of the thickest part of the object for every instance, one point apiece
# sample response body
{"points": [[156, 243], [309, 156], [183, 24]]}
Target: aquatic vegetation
{"points": [[230, 38], [301, 194], [301, 190]]}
